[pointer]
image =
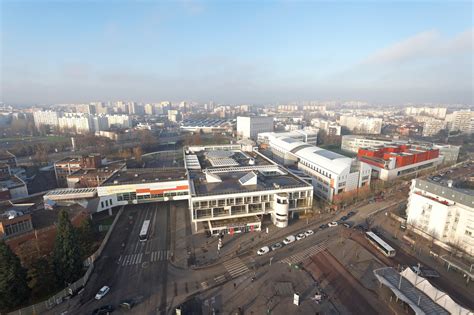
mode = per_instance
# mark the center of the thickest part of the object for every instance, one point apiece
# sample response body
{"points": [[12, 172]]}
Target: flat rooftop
{"points": [[225, 158], [145, 175], [103, 170], [230, 182], [69, 159], [11, 182]]}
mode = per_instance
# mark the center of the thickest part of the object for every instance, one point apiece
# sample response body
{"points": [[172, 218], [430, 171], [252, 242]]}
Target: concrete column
{"points": [[110, 211]]}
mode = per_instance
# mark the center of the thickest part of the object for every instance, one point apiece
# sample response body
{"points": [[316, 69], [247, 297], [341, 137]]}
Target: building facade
{"points": [[250, 127], [389, 162], [362, 124], [442, 212], [231, 190], [332, 173]]}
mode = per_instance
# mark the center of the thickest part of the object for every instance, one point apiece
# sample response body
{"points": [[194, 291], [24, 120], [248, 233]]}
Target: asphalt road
{"points": [[132, 269]]}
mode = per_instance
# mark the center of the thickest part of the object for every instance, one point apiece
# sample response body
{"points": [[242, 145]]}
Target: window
{"points": [[101, 204]]}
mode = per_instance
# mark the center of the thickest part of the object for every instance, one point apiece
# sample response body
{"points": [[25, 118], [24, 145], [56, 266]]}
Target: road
{"points": [[132, 269]]}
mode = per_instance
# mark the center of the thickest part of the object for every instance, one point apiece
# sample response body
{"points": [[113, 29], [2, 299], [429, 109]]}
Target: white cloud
{"points": [[428, 44]]}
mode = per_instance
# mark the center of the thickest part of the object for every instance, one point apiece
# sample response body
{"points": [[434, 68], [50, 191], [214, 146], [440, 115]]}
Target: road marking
{"points": [[299, 257], [120, 260], [235, 267], [160, 255], [219, 279]]}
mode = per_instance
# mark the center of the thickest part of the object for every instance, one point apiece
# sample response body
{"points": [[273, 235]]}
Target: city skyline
{"points": [[237, 53]]}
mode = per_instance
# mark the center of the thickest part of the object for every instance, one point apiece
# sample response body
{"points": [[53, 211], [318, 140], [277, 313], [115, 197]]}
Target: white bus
{"points": [[144, 231], [380, 244]]}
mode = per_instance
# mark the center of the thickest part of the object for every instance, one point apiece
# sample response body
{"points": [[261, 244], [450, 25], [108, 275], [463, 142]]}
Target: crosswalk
{"points": [[299, 257], [160, 255], [138, 258], [131, 259], [235, 267]]}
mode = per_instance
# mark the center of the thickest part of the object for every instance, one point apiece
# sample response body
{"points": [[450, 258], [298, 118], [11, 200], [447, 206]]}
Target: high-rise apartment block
{"points": [[250, 127]]}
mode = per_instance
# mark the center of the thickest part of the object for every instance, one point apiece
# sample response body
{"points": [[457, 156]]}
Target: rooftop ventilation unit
{"points": [[248, 179]]}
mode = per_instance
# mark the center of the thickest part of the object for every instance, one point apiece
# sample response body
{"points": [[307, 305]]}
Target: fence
{"points": [[59, 297]]}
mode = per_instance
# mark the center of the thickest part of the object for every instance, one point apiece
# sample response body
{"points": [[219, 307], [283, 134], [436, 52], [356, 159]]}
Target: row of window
{"points": [[106, 202], [133, 196], [18, 227], [316, 169]]}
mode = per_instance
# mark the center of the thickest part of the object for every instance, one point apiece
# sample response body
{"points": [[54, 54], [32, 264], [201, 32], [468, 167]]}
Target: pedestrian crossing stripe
{"points": [[219, 279], [134, 259], [235, 267], [299, 257]]}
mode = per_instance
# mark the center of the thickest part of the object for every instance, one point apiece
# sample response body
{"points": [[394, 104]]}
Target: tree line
{"points": [[45, 275]]}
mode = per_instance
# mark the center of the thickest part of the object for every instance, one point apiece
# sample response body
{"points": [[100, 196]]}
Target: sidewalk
{"points": [[199, 250], [205, 248]]}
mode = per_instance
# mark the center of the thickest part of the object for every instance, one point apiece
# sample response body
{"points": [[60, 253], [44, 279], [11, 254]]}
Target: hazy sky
{"points": [[236, 51]]}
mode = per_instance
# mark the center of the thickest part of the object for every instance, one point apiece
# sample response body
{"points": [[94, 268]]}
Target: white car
{"points": [[102, 292], [332, 224], [263, 250], [289, 239], [309, 232], [300, 236]]}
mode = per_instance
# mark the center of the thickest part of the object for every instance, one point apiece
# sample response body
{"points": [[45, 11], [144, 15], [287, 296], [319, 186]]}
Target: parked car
{"points": [[289, 239], [276, 246], [351, 213], [102, 292], [106, 309], [127, 304], [263, 250], [309, 232], [332, 224], [323, 226], [344, 218], [300, 236], [348, 224]]}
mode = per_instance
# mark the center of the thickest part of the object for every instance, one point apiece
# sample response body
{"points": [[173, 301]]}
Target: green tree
{"points": [[13, 279], [41, 277], [86, 237], [67, 258]]}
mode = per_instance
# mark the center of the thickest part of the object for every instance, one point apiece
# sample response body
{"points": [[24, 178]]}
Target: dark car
{"points": [[127, 304], [323, 226], [351, 213], [348, 224], [362, 227], [103, 310], [344, 218]]}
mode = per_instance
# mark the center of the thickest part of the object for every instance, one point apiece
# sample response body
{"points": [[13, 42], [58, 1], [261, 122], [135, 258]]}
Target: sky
{"points": [[253, 52]]}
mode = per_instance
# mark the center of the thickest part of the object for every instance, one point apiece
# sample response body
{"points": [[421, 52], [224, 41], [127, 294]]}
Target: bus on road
{"points": [[380, 244], [144, 231]]}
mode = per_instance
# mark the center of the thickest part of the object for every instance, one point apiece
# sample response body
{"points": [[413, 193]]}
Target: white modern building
{"points": [[432, 127], [78, 123], [362, 124], [133, 186], [305, 135], [250, 127], [231, 190], [332, 173], [462, 121], [442, 212], [437, 112], [352, 143], [46, 118], [119, 121]]}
